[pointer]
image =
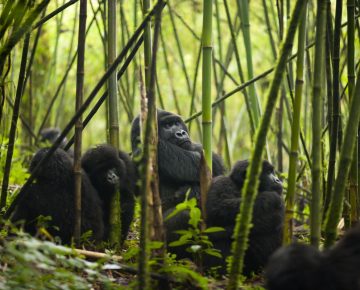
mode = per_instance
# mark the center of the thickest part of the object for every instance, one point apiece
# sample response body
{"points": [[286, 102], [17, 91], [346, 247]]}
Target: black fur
{"points": [[223, 205], [179, 166], [52, 194], [303, 267], [50, 135], [107, 167]]}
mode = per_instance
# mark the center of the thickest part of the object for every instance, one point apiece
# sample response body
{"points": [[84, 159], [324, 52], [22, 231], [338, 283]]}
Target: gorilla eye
{"points": [[167, 125], [177, 123]]}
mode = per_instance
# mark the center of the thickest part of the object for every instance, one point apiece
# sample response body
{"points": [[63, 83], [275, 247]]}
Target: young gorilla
{"points": [[223, 204], [107, 168], [52, 194], [303, 267], [179, 167]]}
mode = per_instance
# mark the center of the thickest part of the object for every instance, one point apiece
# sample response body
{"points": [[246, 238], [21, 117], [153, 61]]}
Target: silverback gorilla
{"points": [[52, 194], [303, 267], [223, 204], [179, 167], [106, 168]]}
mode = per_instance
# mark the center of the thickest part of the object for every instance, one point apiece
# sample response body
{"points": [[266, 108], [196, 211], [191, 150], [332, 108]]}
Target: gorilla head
{"points": [[104, 167], [50, 135], [171, 128], [268, 179]]}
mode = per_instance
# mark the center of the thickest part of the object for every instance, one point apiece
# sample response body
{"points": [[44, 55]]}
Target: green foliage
{"points": [[19, 172], [197, 240], [28, 263]]}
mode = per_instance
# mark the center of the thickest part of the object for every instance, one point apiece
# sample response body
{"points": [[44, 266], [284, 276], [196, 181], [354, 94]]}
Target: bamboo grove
{"points": [[276, 80]]}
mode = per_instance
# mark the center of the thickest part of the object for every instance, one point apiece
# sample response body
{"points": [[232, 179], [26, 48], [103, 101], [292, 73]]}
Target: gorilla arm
{"points": [[177, 164]]}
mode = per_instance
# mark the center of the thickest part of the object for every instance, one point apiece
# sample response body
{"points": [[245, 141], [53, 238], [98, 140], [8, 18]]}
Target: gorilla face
{"points": [[171, 128], [104, 167]]}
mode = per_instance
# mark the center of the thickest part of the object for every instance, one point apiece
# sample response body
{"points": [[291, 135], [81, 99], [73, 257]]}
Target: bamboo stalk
{"points": [[243, 9], [346, 154], [80, 72], [14, 119], [317, 95], [115, 222], [62, 82], [145, 191], [17, 34], [239, 67], [295, 131], [68, 62], [249, 191], [105, 94], [85, 105], [353, 177], [206, 82]]}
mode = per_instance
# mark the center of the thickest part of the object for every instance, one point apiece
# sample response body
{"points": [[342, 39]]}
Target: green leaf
{"points": [[213, 252], [214, 230]]}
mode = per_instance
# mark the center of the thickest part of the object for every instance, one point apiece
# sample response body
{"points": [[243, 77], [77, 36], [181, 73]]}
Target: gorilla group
{"points": [[303, 267], [52, 193], [223, 204], [179, 171], [106, 170]]}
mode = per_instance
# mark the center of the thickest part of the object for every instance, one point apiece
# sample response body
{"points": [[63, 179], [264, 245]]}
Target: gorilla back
{"points": [[52, 194], [303, 267]]}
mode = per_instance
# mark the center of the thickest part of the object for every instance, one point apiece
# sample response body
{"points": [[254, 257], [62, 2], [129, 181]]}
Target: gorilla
{"points": [[52, 194], [222, 207], [178, 165], [303, 267], [107, 169], [50, 135]]}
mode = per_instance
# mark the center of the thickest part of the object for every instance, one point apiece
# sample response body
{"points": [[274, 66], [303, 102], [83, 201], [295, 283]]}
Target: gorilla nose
{"points": [[181, 134], [277, 180]]}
